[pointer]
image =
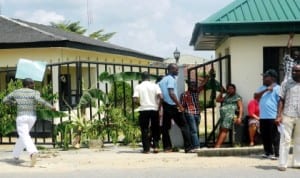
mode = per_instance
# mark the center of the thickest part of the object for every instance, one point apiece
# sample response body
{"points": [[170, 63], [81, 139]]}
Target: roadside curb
{"points": [[233, 151]]}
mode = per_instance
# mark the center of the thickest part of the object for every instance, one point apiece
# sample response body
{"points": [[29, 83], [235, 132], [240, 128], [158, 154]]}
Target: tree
{"points": [[98, 35], [77, 28]]}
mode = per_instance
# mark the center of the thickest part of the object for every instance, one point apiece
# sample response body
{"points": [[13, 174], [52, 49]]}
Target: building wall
{"points": [[247, 59], [10, 57]]}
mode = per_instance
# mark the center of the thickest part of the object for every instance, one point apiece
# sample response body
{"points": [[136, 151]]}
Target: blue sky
{"points": [[154, 27]]}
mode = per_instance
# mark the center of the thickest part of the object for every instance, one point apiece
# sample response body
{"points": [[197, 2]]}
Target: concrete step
{"points": [[232, 151]]}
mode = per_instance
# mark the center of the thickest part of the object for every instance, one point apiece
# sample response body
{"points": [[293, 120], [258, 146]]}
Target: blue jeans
{"points": [[193, 121]]}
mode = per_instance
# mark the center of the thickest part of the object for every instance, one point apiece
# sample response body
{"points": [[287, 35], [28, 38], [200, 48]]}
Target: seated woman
{"points": [[230, 103], [253, 115]]}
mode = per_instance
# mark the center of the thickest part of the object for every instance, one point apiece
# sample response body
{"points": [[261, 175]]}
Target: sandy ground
{"points": [[120, 157], [119, 161]]}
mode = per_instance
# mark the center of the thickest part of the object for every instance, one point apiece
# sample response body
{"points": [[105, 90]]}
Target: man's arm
{"points": [[174, 98], [269, 88], [159, 99], [9, 99], [136, 102], [42, 101], [279, 111]]}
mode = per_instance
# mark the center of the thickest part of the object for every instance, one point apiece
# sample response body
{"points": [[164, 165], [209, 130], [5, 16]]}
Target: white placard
{"points": [[31, 69]]}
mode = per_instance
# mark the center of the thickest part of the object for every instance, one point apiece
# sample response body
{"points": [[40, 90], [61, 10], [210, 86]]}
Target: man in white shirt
{"points": [[288, 119], [148, 95]]}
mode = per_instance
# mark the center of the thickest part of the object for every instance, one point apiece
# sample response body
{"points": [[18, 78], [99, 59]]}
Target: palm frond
{"points": [[90, 95]]}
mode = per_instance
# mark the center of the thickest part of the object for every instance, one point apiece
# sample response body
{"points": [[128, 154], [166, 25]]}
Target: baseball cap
{"points": [[270, 73]]}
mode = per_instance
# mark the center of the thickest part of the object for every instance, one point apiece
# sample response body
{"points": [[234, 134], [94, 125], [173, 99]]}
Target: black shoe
{"points": [[145, 152]]}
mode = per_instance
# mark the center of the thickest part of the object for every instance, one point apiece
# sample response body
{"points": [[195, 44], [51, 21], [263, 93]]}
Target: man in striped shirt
{"points": [[190, 102], [26, 99], [289, 62]]}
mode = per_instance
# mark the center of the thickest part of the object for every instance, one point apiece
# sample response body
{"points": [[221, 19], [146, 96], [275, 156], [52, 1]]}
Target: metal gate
{"points": [[222, 72]]}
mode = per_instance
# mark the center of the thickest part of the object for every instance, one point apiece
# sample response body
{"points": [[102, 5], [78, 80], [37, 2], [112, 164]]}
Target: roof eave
{"points": [[76, 45], [219, 31]]}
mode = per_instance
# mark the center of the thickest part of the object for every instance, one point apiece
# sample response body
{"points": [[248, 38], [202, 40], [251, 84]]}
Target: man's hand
{"points": [[278, 120], [270, 88], [180, 108]]}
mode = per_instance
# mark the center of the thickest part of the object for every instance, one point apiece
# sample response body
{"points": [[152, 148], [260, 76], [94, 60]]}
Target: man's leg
{"points": [[30, 146], [191, 121], [166, 126], [144, 125], [179, 119], [285, 140], [296, 149], [155, 129], [24, 140], [18, 148], [265, 129], [276, 139], [23, 128]]}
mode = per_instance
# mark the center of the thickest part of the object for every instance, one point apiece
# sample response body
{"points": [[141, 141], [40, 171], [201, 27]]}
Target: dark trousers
{"points": [[145, 118], [270, 136], [171, 112]]}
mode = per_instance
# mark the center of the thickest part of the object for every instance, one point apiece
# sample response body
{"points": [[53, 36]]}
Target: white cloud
{"points": [[40, 16], [155, 27]]}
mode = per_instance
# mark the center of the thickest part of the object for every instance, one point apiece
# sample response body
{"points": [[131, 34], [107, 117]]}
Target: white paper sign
{"points": [[31, 69]]}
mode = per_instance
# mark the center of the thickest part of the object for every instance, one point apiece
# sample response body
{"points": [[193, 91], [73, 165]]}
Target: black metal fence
{"points": [[222, 73], [69, 80]]}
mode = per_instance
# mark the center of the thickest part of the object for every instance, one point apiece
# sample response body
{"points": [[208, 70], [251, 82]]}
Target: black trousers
{"points": [[171, 112], [270, 136], [145, 118]]}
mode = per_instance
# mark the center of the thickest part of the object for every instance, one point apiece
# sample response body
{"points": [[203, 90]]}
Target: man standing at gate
{"points": [[26, 99], [190, 101], [172, 109], [148, 95]]}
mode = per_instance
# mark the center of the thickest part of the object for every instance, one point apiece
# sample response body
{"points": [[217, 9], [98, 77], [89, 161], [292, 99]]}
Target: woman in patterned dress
{"points": [[231, 112]]}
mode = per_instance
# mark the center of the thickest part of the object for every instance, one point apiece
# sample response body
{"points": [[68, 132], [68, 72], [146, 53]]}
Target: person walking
{"points": [[269, 99], [148, 95], [26, 99], [288, 119], [172, 109], [190, 102]]}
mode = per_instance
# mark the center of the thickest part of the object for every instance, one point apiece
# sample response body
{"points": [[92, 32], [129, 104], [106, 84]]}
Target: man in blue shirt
{"points": [[268, 104], [172, 109]]}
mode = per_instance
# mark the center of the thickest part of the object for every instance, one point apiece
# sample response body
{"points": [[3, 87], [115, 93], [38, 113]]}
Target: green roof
{"points": [[247, 17]]}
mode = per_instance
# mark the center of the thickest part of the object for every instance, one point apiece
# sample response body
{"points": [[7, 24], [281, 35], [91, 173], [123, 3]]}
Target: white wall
{"points": [[247, 60]]}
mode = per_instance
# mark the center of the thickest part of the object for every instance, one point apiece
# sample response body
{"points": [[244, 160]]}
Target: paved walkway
{"points": [[126, 162]]}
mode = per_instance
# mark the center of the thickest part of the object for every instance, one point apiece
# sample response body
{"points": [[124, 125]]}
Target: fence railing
{"points": [[69, 80]]}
